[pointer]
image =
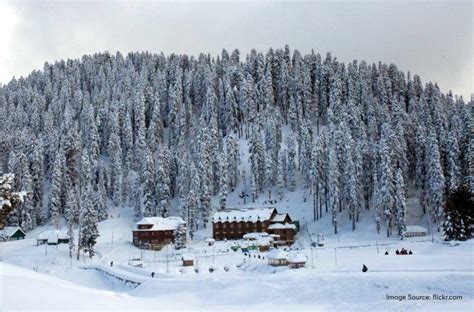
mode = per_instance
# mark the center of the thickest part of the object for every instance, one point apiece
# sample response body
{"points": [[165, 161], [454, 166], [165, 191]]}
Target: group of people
{"points": [[403, 252]]}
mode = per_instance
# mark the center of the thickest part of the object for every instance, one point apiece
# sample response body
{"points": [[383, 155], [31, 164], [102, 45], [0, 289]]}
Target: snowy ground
{"points": [[32, 280]]}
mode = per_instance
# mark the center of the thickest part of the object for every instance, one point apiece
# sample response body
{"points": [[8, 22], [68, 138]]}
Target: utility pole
{"points": [[46, 248], [430, 227], [312, 259], [335, 256], [112, 237], [167, 258], [79, 241], [377, 243]]}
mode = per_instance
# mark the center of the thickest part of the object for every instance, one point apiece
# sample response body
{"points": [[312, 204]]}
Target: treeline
{"points": [[145, 129]]}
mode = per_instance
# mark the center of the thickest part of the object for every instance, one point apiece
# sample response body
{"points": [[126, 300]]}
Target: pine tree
{"points": [[115, 154], [233, 159], [291, 162], [57, 197], [223, 188], [453, 172], [137, 196], [400, 203], [148, 184], [37, 179], [101, 196], [459, 214], [180, 237], [386, 190], [163, 189], [435, 179], [88, 223], [70, 235], [281, 175]]}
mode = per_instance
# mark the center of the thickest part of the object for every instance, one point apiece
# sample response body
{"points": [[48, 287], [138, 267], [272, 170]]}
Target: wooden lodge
{"points": [[155, 232], [10, 233], [235, 223], [277, 257]]}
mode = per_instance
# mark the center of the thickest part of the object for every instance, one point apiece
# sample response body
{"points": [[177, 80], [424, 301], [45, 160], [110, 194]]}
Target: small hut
{"points": [[277, 257], [415, 230], [52, 237], [188, 260], [296, 261], [10, 233]]}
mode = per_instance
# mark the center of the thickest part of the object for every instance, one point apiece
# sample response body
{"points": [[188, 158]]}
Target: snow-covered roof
{"points": [[265, 241], [249, 214], [188, 257], [52, 236], [278, 226], [280, 217], [277, 254], [161, 224], [209, 240], [415, 228], [255, 235], [296, 258], [8, 231]]}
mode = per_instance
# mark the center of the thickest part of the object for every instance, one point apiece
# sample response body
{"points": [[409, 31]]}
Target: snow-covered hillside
{"points": [[331, 280], [355, 152]]}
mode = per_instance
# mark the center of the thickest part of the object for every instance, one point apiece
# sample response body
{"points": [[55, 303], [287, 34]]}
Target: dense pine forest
{"points": [[164, 134]]}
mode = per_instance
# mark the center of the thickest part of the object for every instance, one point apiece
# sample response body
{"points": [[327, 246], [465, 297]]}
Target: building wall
{"points": [[287, 235], [236, 230], [143, 238]]}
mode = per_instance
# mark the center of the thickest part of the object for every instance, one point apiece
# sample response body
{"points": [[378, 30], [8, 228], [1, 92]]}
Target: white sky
{"points": [[433, 39]]}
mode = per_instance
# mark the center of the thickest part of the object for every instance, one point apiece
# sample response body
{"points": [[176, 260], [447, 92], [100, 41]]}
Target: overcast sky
{"points": [[433, 39]]}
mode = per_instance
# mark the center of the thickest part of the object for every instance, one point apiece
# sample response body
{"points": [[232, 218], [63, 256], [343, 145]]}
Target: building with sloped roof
{"points": [[155, 232], [240, 223], [9, 233]]}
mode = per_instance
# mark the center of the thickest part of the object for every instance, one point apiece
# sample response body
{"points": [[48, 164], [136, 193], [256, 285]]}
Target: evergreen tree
{"points": [[459, 214], [148, 184], [57, 197], [88, 223], [223, 188], [400, 203], [435, 179]]}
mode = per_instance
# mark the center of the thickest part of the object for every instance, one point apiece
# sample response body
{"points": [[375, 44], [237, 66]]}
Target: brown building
{"points": [[155, 232], [286, 231], [188, 260], [235, 223]]}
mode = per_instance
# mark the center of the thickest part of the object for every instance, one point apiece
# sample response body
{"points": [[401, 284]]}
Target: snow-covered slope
{"points": [[332, 279]]}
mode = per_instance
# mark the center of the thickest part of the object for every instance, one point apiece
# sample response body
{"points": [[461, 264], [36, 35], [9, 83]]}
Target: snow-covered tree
{"points": [[88, 223], [400, 203]]}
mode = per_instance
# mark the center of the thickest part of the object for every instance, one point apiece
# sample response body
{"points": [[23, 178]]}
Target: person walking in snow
{"points": [[111, 263], [386, 253], [364, 268], [152, 274], [397, 252]]}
